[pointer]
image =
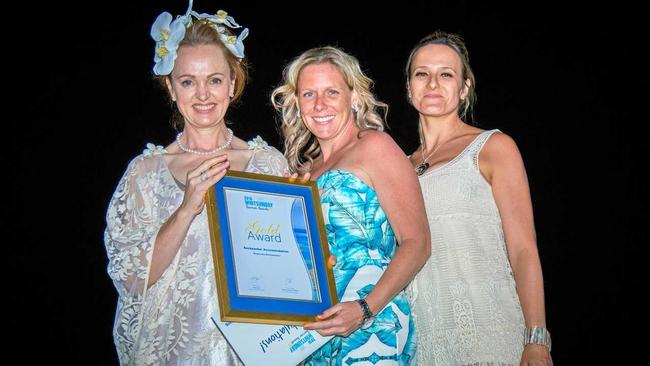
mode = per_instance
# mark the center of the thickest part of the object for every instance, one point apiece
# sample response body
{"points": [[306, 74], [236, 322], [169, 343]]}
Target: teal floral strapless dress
{"points": [[363, 242]]}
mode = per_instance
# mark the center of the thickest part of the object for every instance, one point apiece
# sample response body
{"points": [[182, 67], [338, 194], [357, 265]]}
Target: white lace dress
{"points": [[169, 322], [465, 303]]}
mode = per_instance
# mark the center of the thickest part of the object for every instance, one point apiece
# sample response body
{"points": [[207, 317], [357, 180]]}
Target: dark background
{"points": [[567, 82]]}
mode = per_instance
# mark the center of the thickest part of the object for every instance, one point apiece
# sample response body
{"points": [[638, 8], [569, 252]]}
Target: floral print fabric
{"points": [[363, 242]]}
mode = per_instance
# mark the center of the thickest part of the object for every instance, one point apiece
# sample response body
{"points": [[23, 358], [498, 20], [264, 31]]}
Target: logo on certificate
{"points": [[257, 204]]}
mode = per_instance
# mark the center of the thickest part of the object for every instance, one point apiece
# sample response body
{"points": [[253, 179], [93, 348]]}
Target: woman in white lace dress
{"points": [[479, 300], [157, 236]]}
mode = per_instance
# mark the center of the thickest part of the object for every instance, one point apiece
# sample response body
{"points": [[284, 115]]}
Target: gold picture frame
{"points": [[283, 271]]}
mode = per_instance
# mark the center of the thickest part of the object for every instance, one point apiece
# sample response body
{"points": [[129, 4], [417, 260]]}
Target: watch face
{"points": [[368, 323]]}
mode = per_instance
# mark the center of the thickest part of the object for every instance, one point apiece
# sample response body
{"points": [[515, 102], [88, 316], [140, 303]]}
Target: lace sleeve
{"points": [[266, 159], [132, 227]]}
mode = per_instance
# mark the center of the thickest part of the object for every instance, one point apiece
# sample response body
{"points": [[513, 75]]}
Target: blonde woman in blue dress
{"points": [[332, 130], [157, 236], [479, 300]]}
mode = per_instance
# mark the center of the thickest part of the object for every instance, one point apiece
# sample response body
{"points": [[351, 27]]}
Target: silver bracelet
{"points": [[538, 335]]}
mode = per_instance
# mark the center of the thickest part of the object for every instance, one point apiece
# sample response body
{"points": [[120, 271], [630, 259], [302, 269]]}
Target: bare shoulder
{"points": [[377, 141], [499, 154], [377, 151], [499, 145]]}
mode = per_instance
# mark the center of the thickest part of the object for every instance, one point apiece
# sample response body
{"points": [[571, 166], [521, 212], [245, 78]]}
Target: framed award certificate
{"points": [[269, 249]]}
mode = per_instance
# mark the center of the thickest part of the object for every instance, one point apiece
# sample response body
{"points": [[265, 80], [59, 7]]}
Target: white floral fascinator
{"points": [[169, 32]]}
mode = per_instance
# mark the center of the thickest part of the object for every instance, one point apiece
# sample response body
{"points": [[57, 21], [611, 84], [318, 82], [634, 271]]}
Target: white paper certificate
{"points": [[266, 344], [271, 252]]}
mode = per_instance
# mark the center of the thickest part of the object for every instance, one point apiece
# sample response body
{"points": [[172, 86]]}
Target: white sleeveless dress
{"points": [[465, 303]]}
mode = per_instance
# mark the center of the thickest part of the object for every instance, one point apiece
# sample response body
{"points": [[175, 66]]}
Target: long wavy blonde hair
{"points": [[300, 146]]}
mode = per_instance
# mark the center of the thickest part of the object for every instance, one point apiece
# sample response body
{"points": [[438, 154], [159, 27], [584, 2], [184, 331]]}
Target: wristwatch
{"points": [[538, 335], [368, 318]]}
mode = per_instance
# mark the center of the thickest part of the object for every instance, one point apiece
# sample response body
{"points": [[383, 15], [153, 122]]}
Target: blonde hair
{"points": [[202, 33], [300, 146]]}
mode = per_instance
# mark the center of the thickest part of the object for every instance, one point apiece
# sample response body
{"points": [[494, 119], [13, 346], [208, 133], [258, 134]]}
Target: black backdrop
{"points": [[565, 81]]}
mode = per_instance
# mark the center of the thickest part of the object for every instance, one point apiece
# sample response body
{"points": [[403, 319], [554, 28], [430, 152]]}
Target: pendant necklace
{"points": [[424, 165]]}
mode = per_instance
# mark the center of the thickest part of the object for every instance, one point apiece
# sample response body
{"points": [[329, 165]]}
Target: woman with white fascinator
{"points": [[157, 236]]}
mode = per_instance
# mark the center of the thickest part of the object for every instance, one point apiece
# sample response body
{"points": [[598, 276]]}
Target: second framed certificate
{"points": [[269, 249]]}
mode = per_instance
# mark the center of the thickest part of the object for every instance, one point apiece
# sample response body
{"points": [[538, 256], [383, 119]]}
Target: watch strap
{"points": [[367, 313]]}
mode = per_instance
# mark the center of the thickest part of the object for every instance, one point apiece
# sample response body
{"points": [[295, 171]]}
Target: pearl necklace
{"points": [[423, 166], [209, 152]]}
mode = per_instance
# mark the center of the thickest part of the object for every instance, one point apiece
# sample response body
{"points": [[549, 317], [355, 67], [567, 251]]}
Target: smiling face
{"points": [[436, 82], [325, 101], [201, 85]]}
